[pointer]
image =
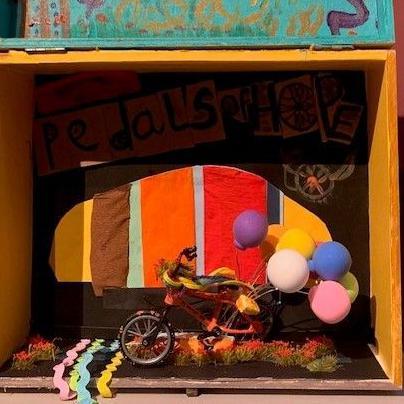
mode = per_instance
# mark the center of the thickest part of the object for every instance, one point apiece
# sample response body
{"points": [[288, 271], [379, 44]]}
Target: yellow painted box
{"points": [[17, 72]]}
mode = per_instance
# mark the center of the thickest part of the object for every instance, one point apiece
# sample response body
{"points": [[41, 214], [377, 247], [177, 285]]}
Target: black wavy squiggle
{"points": [[339, 19]]}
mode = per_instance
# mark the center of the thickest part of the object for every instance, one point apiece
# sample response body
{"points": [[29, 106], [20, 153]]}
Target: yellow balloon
{"points": [[350, 283], [268, 246], [298, 240]]}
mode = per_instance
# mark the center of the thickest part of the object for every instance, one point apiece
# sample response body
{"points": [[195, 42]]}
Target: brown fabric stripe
{"points": [[109, 256]]}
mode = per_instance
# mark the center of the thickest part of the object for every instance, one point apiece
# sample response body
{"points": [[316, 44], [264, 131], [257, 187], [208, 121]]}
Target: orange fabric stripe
{"points": [[168, 219]]}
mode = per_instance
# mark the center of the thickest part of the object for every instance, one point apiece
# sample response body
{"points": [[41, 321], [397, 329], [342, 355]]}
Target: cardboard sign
{"points": [[147, 126], [234, 103], [203, 113], [181, 118], [157, 123], [339, 120], [63, 141], [176, 121], [297, 106], [83, 89], [266, 117]]}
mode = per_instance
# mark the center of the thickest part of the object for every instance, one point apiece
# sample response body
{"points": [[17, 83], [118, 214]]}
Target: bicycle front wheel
{"points": [[146, 340]]}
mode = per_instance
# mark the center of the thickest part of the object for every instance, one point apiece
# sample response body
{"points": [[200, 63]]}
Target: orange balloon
{"points": [[268, 246]]}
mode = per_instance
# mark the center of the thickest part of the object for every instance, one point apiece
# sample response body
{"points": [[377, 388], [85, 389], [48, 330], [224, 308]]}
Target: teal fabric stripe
{"points": [[135, 275], [199, 198]]}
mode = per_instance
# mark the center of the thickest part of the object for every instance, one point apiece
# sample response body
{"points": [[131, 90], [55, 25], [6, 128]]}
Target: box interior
{"points": [[271, 158], [22, 220]]}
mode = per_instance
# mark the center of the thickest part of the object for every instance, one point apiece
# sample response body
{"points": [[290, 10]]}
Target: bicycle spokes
{"points": [[146, 339]]}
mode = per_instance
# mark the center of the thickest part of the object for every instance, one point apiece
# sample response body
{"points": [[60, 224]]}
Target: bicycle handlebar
{"points": [[189, 253]]}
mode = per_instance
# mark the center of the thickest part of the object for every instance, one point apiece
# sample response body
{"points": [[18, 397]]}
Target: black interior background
{"points": [[71, 309]]}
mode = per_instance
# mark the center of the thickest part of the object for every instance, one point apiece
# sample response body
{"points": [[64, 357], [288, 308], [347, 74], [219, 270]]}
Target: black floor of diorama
{"points": [[357, 362]]}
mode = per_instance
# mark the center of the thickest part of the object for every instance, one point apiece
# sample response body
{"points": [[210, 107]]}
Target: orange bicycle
{"points": [[238, 309]]}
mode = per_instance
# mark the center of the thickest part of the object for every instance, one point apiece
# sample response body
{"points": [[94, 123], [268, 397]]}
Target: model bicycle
{"points": [[238, 309]]}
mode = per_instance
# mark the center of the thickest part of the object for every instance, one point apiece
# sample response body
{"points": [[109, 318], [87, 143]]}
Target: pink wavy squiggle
{"points": [[58, 382]]}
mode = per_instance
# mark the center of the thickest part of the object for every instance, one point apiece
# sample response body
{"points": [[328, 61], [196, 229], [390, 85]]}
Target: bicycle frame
{"points": [[211, 324]]}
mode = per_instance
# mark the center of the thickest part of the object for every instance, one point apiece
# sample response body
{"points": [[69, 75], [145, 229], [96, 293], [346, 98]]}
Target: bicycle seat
{"points": [[211, 283]]}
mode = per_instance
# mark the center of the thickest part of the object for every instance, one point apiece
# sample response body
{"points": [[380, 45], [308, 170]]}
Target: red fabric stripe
{"points": [[228, 192]]}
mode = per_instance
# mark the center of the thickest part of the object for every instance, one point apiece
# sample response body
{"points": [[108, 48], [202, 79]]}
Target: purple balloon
{"points": [[249, 229]]}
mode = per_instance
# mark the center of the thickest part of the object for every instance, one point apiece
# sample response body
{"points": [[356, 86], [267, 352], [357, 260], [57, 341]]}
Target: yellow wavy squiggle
{"points": [[74, 375], [106, 376]]}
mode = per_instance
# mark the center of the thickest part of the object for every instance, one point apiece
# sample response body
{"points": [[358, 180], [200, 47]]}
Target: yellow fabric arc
{"points": [[70, 254]]}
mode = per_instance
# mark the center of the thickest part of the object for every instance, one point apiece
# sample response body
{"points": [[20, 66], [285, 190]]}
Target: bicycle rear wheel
{"points": [[230, 317], [146, 340]]}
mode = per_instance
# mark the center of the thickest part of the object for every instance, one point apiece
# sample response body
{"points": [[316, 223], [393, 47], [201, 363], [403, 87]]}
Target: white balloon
{"points": [[288, 271]]}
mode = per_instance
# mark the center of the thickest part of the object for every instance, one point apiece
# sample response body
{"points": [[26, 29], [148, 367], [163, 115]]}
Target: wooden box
{"points": [[17, 73], [195, 23]]}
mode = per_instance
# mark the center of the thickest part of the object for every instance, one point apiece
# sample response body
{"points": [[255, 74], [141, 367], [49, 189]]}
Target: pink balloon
{"points": [[330, 302]]}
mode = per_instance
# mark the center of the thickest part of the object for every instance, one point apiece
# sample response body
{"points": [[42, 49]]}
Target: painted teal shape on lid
{"points": [[204, 23]]}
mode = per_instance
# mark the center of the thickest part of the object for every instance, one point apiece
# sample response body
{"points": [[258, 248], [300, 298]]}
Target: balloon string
{"points": [[256, 275], [258, 272], [302, 292], [238, 265]]}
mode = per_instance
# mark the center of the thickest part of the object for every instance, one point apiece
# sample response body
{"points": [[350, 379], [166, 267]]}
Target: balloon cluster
{"points": [[295, 259]]}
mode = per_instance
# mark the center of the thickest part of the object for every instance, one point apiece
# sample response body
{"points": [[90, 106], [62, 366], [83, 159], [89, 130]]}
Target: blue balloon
{"points": [[331, 261]]}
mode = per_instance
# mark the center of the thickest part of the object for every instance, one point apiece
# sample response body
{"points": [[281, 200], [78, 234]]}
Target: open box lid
{"points": [[94, 24]]}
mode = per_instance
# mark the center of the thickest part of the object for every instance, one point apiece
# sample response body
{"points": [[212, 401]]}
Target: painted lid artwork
{"points": [[199, 23]]}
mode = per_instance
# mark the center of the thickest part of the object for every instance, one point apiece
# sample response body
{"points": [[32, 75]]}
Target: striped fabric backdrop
{"points": [[195, 205], [116, 239]]}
